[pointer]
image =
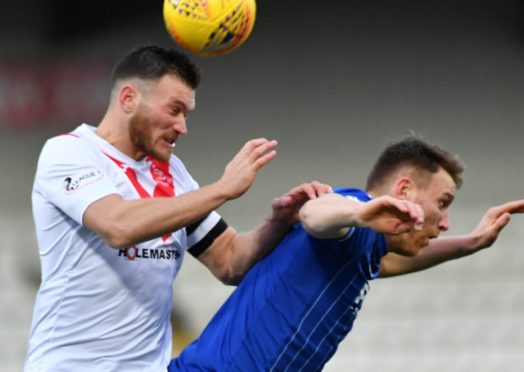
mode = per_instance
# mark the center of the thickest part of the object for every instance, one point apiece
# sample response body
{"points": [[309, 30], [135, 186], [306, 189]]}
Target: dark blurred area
{"points": [[342, 74], [45, 46], [71, 20], [341, 78]]}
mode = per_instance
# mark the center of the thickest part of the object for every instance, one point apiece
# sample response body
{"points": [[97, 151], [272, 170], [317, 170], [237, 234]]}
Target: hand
{"points": [[492, 223], [286, 207], [241, 171], [390, 215]]}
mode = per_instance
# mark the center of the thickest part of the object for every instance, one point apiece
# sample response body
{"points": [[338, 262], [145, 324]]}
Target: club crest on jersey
{"points": [[81, 179]]}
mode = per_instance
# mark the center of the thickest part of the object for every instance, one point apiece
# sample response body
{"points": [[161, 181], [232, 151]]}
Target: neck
{"points": [[117, 135]]}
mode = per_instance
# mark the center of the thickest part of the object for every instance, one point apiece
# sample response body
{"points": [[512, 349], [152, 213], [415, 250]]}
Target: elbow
{"points": [[312, 225], [117, 236], [230, 276], [321, 225], [232, 280], [107, 219], [117, 242], [229, 272], [307, 219], [229, 279]]}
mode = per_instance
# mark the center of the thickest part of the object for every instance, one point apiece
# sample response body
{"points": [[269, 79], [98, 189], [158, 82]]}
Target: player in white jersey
{"points": [[115, 211]]}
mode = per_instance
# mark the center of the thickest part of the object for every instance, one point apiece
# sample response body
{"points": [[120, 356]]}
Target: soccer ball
{"points": [[209, 27]]}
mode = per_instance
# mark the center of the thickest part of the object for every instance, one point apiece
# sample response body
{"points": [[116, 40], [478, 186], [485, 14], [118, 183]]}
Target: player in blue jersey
{"points": [[295, 306]]}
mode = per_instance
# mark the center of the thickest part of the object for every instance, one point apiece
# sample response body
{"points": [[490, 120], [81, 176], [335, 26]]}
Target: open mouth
{"points": [[170, 142], [428, 239]]}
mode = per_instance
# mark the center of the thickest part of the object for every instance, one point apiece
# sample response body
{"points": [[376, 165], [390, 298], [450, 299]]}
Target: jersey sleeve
{"points": [[71, 175], [356, 195], [201, 234]]}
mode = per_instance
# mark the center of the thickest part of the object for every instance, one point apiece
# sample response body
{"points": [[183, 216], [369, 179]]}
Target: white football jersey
{"points": [[100, 308]]}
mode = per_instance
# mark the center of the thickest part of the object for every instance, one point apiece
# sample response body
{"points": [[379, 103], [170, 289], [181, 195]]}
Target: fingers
{"points": [[260, 151], [263, 160], [414, 212], [402, 228], [417, 214], [321, 188], [282, 201], [257, 152], [241, 171], [253, 144], [296, 197], [502, 221], [516, 206], [390, 215], [308, 191]]}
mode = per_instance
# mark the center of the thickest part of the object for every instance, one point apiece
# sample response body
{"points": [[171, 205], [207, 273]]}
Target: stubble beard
{"points": [[142, 137], [405, 244]]}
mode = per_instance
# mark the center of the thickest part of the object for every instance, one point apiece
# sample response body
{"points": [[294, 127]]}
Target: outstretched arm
{"points": [[122, 223], [449, 248], [330, 216], [231, 255]]}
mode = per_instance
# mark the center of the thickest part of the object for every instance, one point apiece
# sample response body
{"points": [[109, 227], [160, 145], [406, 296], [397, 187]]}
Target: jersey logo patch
{"points": [[81, 179]]}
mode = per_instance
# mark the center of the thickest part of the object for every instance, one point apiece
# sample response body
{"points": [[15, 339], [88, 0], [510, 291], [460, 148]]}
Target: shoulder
{"points": [[353, 193], [65, 142], [65, 151]]}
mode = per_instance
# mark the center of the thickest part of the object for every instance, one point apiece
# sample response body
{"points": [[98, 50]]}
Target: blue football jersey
{"points": [[294, 307]]}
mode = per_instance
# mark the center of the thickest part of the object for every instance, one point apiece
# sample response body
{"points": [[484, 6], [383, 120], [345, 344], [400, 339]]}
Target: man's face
{"points": [[160, 117], [434, 196]]}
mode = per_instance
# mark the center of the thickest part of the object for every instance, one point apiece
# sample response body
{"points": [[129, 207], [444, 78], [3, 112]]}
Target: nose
{"points": [[443, 224], [180, 125]]}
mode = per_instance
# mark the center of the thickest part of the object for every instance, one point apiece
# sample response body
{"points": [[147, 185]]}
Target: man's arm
{"points": [[231, 255], [122, 223], [449, 248], [330, 216]]}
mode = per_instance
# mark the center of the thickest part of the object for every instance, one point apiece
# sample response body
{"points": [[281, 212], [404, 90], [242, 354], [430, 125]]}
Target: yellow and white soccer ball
{"points": [[209, 27]]}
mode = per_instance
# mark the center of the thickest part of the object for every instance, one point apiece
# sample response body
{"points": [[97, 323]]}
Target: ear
{"points": [[404, 187], [128, 97]]}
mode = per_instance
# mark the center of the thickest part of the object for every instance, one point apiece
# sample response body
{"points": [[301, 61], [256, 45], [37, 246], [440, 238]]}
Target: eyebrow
{"points": [[176, 101]]}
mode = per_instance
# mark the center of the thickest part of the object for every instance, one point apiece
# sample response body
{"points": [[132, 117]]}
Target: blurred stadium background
{"points": [[333, 82]]}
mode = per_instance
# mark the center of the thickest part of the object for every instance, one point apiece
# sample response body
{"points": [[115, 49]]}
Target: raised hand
{"points": [[241, 171], [286, 207], [390, 215], [452, 247], [492, 223], [331, 215]]}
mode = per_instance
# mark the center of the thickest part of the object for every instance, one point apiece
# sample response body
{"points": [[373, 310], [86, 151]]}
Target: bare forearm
{"points": [[449, 248], [329, 216], [232, 255], [250, 247], [133, 221], [438, 251]]}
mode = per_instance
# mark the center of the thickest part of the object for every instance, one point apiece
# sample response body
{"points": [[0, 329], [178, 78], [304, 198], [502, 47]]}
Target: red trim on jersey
{"points": [[131, 174], [164, 180], [165, 187]]}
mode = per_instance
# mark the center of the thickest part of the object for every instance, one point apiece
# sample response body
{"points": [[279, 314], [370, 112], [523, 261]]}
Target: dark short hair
{"points": [[414, 152], [153, 62]]}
